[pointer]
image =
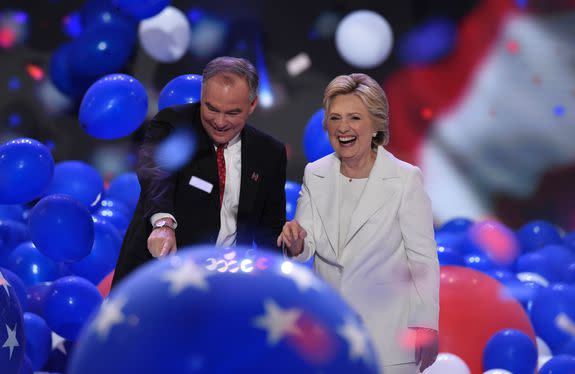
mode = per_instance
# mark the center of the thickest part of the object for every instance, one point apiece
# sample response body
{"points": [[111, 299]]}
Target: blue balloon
{"points": [[12, 337], [524, 292], [12, 233], [26, 367], [480, 262], [58, 360], [103, 256], [141, 9], [62, 228], [448, 256], [539, 263], [428, 42], [101, 49], [31, 266], [561, 364], [36, 296], [315, 139], [79, 181], [292, 190], [125, 188], [568, 348], [228, 301], [103, 12], [38, 340], [26, 168], [68, 305], [550, 305], [458, 225], [13, 212], [561, 257], [184, 89], [450, 239], [117, 218], [113, 107], [16, 285], [537, 234], [62, 77], [503, 276], [569, 240], [512, 350]]}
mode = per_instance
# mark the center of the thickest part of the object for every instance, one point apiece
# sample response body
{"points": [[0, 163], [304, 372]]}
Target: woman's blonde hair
{"points": [[370, 93]]}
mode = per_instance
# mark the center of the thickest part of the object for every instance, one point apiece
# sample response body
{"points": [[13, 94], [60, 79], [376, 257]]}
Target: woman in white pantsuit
{"points": [[366, 218]]}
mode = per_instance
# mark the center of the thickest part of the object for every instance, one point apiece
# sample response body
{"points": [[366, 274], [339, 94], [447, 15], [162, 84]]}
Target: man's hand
{"points": [[426, 347], [292, 236], [162, 242]]}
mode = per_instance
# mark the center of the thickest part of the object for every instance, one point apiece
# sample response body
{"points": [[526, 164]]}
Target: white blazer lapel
{"points": [[325, 178], [375, 194]]}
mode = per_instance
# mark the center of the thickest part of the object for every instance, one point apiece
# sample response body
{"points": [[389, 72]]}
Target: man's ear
{"points": [[253, 105]]}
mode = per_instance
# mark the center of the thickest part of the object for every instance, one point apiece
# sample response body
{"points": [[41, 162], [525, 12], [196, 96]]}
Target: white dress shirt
{"points": [[231, 200]]}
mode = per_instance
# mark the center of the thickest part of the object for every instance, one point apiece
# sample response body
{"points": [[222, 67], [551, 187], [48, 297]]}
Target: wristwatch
{"points": [[164, 223]]}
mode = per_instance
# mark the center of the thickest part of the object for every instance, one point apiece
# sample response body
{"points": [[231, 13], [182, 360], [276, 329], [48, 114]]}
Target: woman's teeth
{"points": [[346, 139]]}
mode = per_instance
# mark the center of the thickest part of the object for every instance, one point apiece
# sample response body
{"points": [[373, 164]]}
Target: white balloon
{"points": [[364, 39], [542, 360], [448, 363], [542, 348], [497, 371], [166, 36], [533, 277]]}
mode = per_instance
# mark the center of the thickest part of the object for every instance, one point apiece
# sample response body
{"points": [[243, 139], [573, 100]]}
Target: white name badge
{"points": [[201, 184]]}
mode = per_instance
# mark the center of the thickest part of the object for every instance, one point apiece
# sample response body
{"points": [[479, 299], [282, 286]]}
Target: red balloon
{"points": [[473, 307], [105, 285]]}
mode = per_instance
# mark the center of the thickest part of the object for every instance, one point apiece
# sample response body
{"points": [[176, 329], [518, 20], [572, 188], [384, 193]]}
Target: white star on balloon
{"points": [[58, 343], [4, 283], [303, 278], [278, 322], [11, 342], [187, 275], [110, 314], [356, 339]]}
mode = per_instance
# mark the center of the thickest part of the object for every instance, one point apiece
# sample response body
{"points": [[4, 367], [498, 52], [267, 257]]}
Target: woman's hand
{"points": [[292, 236]]}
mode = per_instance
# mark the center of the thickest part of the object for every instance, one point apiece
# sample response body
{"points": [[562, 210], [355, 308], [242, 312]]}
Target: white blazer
{"points": [[388, 269]]}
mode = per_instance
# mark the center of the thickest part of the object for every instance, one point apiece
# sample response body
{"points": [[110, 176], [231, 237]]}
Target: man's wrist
{"points": [[165, 223]]}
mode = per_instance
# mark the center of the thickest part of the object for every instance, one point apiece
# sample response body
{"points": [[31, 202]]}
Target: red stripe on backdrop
{"points": [[418, 94]]}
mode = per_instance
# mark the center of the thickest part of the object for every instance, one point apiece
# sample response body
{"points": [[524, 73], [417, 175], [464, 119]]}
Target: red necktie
{"points": [[221, 170]]}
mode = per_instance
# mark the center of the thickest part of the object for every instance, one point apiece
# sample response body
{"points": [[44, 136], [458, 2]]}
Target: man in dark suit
{"points": [[230, 193]]}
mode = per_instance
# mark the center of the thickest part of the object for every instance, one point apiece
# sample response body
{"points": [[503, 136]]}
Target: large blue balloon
{"points": [[12, 233], [78, 180], [126, 189], [512, 350], [569, 240], [115, 212], [113, 107], [561, 364], [36, 296], [26, 367], [184, 89], [103, 256], [17, 286], [537, 234], [225, 309], [550, 307], [38, 340], [12, 339], [315, 139], [428, 42], [101, 49], [61, 75], [141, 9], [26, 168], [561, 257], [62, 228], [69, 304], [449, 256], [31, 266]]}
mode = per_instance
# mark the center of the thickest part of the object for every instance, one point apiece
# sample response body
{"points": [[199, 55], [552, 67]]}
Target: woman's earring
{"points": [[374, 134]]}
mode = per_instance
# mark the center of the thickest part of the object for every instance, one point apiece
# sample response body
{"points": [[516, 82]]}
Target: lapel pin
{"points": [[255, 177]]}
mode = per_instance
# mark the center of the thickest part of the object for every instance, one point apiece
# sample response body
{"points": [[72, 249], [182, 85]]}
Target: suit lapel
{"points": [[250, 174], [375, 194], [326, 183]]}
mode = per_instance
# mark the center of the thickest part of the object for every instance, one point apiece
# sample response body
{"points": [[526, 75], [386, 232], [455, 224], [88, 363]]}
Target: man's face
{"points": [[225, 107]]}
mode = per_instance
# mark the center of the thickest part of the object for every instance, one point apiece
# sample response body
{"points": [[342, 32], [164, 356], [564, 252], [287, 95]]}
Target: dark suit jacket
{"points": [[261, 210]]}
